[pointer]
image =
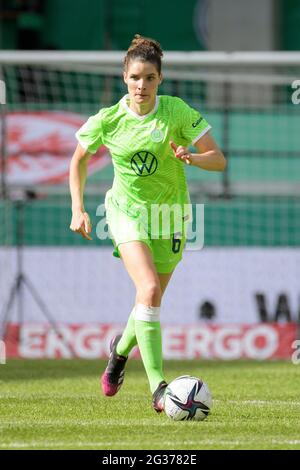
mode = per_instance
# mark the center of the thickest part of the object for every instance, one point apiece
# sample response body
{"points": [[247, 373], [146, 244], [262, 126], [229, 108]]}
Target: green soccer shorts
{"points": [[166, 252]]}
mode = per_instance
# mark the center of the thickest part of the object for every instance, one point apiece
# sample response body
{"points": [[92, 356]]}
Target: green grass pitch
{"points": [[58, 405]]}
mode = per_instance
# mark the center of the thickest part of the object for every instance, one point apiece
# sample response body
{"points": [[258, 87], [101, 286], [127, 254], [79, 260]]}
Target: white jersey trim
{"points": [[201, 134], [123, 102]]}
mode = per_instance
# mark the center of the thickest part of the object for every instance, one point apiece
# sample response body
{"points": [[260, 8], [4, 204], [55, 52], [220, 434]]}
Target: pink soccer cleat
{"points": [[113, 376], [158, 397]]}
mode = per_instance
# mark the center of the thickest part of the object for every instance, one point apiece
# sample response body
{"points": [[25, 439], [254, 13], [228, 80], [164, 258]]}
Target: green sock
{"points": [[148, 335], [128, 340]]}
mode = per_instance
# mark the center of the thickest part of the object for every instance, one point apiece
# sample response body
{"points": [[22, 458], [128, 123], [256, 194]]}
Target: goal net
{"points": [[251, 101]]}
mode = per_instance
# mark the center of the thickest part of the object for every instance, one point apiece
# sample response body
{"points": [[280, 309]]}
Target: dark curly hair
{"points": [[144, 49]]}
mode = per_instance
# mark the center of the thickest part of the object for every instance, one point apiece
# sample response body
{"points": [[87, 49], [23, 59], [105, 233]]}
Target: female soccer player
{"points": [[148, 137]]}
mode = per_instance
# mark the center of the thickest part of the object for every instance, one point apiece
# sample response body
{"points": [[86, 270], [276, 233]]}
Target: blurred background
{"points": [[235, 61]]}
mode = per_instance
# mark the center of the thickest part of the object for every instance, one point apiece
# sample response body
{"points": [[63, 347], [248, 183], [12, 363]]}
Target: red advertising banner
{"points": [[260, 341], [40, 145]]}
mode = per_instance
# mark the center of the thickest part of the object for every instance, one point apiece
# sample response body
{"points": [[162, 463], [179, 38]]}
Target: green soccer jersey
{"points": [[146, 170]]}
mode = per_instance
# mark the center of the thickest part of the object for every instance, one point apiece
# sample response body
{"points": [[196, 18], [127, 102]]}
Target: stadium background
{"points": [[241, 291]]}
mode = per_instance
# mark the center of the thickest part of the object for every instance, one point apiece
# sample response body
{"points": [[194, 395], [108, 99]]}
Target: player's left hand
{"points": [[181, 152]]}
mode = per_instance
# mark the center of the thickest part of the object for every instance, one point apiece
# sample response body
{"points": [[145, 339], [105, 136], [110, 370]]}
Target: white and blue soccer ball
{"points": [[187, 398]]}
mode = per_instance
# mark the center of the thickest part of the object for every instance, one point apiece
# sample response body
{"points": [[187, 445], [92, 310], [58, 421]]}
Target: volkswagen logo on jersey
{"points": [[144, 163]]}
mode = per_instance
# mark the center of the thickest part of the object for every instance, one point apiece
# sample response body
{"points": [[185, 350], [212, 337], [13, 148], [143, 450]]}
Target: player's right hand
{"points": [[180, 152], [81, 223]]}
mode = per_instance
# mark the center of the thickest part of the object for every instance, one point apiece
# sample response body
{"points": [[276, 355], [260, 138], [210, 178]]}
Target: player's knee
{"points": [[150, 293]]}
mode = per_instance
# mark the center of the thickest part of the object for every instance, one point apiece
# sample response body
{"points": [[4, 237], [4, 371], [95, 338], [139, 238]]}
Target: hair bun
{"points": [[145, 49], [143, 43]]}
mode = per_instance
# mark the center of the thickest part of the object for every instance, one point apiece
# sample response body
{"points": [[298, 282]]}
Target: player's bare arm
{"points": [[78, 173], [210, 157]]}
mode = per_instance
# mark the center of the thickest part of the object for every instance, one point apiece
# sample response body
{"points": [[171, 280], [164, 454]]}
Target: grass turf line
{"points": [[48, 404]]}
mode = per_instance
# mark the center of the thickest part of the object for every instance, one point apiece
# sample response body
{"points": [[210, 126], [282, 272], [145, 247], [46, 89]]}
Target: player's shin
{"points": [[128, 339], [148, 333]]}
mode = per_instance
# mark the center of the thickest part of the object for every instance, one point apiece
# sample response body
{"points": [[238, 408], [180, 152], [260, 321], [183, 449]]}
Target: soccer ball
{"points": [[187, 398]]}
